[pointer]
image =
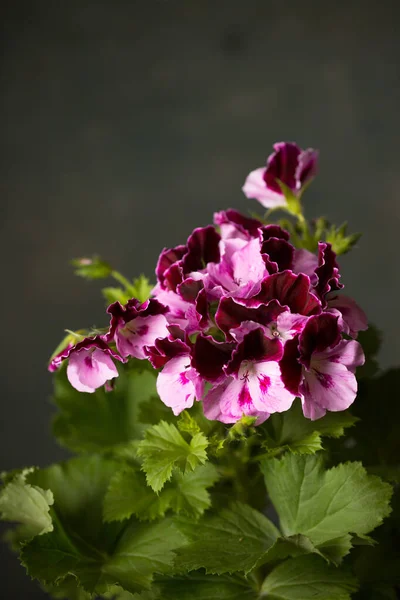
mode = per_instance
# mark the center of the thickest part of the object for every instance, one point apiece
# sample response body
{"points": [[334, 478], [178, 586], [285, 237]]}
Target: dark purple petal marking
{"points": [[321, 332]]}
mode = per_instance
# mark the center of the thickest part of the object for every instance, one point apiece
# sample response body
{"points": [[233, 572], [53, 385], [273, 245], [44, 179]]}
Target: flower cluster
{"points": [[239, 318]]}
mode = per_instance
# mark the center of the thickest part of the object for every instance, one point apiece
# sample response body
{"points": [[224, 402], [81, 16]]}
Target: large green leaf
{"points": [[95, 422], [308, 578], [128, 494], [98, 555], [233, 540], [26, 504], [164, 448], [325, 505], [290, 430]]}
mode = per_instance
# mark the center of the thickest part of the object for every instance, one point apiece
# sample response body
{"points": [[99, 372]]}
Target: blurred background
{"points": [[124, 125]]}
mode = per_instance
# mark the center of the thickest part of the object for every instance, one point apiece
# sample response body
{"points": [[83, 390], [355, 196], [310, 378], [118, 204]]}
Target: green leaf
{"points": [[187, 424], [98, 555], [198, 586], [28, 505], [91, 268], [115, 294], [284, 547], [341, 242], [137, 554], [68, 589], [292, 431], [233, 540], [308, 578], [141, 288], [325, 505], [95, 422], [128, 494], [164, 448]]}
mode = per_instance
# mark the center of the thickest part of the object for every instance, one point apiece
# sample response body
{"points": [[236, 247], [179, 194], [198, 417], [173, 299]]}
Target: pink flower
{"points": [[319, 367], [290, 165], [90, 364], [90, 369], [253, 385], [179, 385], [135, 326]]}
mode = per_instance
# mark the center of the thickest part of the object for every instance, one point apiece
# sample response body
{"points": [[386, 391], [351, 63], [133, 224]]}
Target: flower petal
{"points": [[255, 187], [175, 388], [267, 389]]}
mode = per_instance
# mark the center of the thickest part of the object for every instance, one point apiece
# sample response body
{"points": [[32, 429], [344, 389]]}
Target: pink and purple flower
{"points": [[288, 165], [239, 318]]}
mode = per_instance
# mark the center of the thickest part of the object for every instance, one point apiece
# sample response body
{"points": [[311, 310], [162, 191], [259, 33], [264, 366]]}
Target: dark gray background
{"points": [[126, 124]]}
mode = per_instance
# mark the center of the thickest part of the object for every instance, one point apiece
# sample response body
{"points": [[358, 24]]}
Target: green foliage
{"points": [[327, 506], [96, 554], [144, 514], [141, 288], [91, 268], [129, 495], [292, 431], [26, 504], [115, 294], [308, 577], [198, 586], [231, 541], [341, 242], [95, 422], [164, 448]]}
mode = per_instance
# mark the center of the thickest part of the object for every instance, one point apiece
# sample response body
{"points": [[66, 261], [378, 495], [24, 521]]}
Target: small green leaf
{"points": [[292, 431], [325, 505], [26, 504], [141, 288], [91, 268], [115, 294], [187, 424], [95, 422], [308, 578], [129, 495], [164, 448], [233, 540], [341, 242]]}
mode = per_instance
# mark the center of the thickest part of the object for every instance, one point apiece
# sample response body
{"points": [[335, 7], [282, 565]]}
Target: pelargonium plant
{"points": [[209, 420]]}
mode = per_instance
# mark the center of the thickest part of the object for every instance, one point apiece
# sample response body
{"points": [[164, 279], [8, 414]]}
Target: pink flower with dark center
{"points": [[179, 385], [319, 367], [135, 326], [90, 369], [90, 364], [289, 165], [253, 384]]}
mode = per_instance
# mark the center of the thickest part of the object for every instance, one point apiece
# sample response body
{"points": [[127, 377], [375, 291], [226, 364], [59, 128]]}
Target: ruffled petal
{"points": [[175, 384], [90, 369], [266, 387], [327, 386], [255, 187]]}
